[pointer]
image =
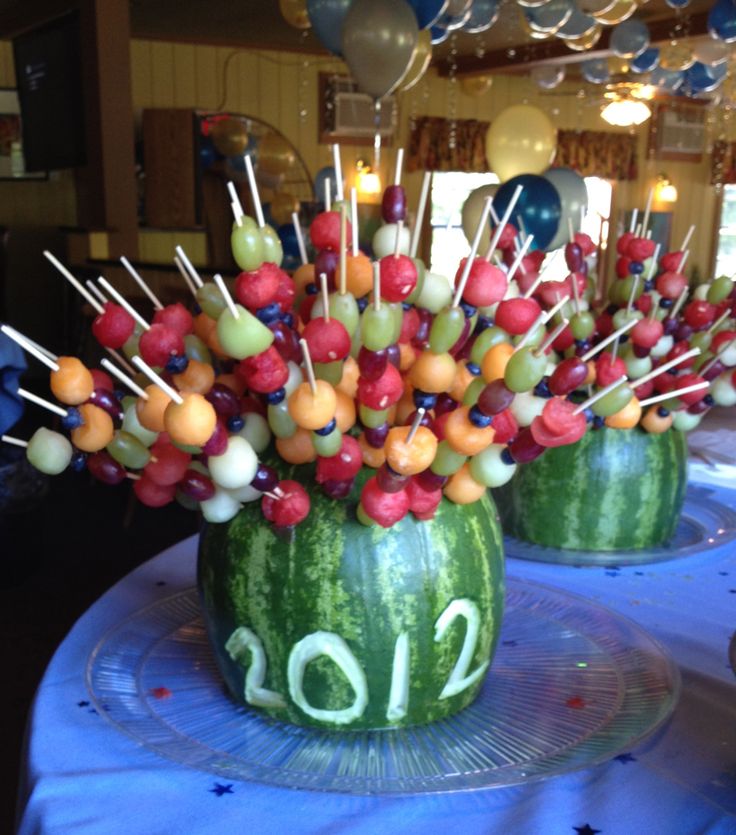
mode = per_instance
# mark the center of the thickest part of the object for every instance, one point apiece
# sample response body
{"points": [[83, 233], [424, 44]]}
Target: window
{"points": [[726, 248]]}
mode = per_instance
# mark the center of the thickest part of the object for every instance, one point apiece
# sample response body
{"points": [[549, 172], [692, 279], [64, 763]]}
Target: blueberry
{"points": [[274, 397], [311, 289], [72, 419], [598, 422], [483, 323], [477, 418], [177, 364], [636, 267], [78, 462], [406, 306], [507, 457], [288, 319], [542, 389], [649, 285], [708, 400], [473, 368], [328, 429], [235, 423], [666, 303], [362, 304], [663, 412], [269, 313], [612, 309], [468, 309], [424, 400], [589, 415]]}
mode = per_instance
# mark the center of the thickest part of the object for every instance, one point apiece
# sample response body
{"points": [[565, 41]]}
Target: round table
{"points": [[82, 775]]}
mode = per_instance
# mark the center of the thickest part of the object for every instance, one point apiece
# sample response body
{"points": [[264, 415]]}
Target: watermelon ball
{"points": [[692, 397], [398, 277], [341, 467], [486, 284], [622, 243], [102, 380], [258, 288], [197, 486], [639, 249], [327, 339], [290, 508], [410, 322], [670, 261], [677, 350], [167, 464], [176, 317], [608, 370], [505, 427], [152, 494], [72, 384], [159, 343], [670, 285], [622, 267], [558, 425], [699, 314], [393, 204], [266, 372], [646, 333], [325, 232], [113, 327], [568, 376], [103, 467], [516, 316], [423, 503], [381, 393], [386, 509], [508, 237], [286, 293]]}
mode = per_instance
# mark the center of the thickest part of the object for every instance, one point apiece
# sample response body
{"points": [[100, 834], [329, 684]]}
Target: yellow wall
{"points": [[267, 85]]}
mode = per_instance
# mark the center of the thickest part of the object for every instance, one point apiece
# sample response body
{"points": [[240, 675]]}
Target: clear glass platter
{"points": [[705, 525], [572, 684]]}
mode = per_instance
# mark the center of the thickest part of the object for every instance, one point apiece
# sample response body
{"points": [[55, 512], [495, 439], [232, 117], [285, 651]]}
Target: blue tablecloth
{"points": [[82, 775]]}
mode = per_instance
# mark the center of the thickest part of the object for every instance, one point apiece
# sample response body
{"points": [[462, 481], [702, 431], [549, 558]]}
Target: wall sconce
{"points": [[367, 181], [665, 190]]}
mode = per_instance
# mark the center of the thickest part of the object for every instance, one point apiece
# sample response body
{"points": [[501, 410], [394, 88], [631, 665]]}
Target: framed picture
{"points": [[12, 164], [677, 131]]}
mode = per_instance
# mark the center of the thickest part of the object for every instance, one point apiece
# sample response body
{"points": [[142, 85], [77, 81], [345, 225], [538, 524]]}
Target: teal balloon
{"points": [[327, 17], [538, 209], [595, 70], [629, 38], [550, 16], [483, 14], [573, 200], [319, 184], [669, 80]]}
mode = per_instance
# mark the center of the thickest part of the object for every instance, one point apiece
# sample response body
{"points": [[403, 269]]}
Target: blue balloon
{"points": [[629, 38], [595, 70], [428, 12], [722, 21], [550, 16], [573, 193], [538, 209], [702, 79], [483, 14], [319, 183], [577, 25], [438, 34], [647, 61], [669, 80], [327, 17], [290, 246], [456, 18]]}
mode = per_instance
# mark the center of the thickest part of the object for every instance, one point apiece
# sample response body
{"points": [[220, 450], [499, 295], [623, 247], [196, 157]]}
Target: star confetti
{"points": [[576, 702], [161, 692], [83, 703], [219, 789], [586, 830], [625, 758]]}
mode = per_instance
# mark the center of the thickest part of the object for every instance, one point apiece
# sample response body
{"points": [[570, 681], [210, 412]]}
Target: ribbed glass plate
{"points": [[705, 525], [572, 684]]}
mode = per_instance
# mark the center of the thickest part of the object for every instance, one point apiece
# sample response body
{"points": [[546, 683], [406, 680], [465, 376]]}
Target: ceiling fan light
{"points": [[625, 112]]}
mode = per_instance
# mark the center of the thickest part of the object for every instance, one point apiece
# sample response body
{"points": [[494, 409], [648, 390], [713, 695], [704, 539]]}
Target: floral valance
{"points": [[430, 145], [594, 153], [723, 163]]}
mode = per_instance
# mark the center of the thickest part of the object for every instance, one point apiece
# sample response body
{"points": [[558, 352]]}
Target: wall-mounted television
{"points": [[49, 77]]}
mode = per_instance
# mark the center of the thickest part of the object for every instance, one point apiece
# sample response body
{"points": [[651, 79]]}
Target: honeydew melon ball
{"points": [[132, 425], [526, 406], [436, 293], [243, 335], [222, 507], [662, 347], [686, 422], [488, 468], [256, 431], [384, 241], [49, 452], [722, 390], [637, 366], [245, 494], [236, 467], [728, 356], [295, 378]]}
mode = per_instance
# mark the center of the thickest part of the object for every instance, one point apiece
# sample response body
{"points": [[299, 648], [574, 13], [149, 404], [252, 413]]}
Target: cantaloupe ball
{"points": [[463, 436], [192, 421], [654, 423], [73, 383], [410, 458], [298, 449], [590, 378], [404, 407], [495, 359], [627, 417], [313, 410], [302, 276], [233, 382], [462, 488], [463, 378], [97, 430], [349, 380], [407, 356], [433, 373], [346, 414], [198, 377], [373, 457], [151, 412], [358, 275]]}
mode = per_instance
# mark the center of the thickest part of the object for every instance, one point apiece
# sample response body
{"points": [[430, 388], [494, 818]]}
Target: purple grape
{"points": [[338, 489], [197, 486], [376, 437], [224, 400], [372, 364], [105, 468], [390, 481], [266, 479]]}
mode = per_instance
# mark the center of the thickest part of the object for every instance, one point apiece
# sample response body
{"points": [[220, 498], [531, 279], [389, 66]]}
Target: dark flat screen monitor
{"points": [[49, 77]]}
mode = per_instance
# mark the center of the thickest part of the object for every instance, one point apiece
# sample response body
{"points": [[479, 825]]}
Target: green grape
{"points": [[256, 431], [613, 402], [626, 284], [296, 377], [535, 338], [446, 460], [489, 469], [344, 308], [331, 372], [446, 329], [273, 252], [621, 317], [327, 445], [526, 406], [195, 349], [281, 423], [372, 418], [701, 340], [524, 370], [48, 451], [472, 392], [131, 348], [133, 426], [188, 448], [244, 336], [211, 300], [582, 324], [701, 360], [436, 293], [421, 273], [127, 450], [487, 339], [247, 245], [720, 289], [635, 366], [377, 327], [364, 518], [617, 292]]}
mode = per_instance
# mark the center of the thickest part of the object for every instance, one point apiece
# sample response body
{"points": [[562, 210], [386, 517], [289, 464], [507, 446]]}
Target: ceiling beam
{"points": [[555, 52]]}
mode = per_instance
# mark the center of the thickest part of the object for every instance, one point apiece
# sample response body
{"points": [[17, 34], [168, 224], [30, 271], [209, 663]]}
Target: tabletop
{"points": [[83, 775]]}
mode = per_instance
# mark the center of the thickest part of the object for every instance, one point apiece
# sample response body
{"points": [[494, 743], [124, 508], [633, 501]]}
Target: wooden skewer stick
{"points": [[189, 268], [540, 320], [608, 340], [325, 296], [637, 231], [570, 230], [9, 439], [27, 346], [131, 384], [95, 290], [669, 395], [519, 257], [655, 306], [632, 224], [686, 239], [480, 228], [416, 233], [675, 309], [123, 302], [681, 265], [328, 194], [236, 214], [39, 401], [49, 354], [575, 293], [337, 164], [714, 359], [551, 338], [308, 367], [397, 241], [376, 286], [719, 321], [415, 424], [299, 238], [170, 392], [235, 203], [634, 288], [647, 211], [254, 191], [558, 305], [354, 218], [219, 281], [135, 275], [120, 359], [399, 166], [503, 221], [133, 476], [660, 369], [343, 288], [594, 398], [80, 288], [185, 275]]}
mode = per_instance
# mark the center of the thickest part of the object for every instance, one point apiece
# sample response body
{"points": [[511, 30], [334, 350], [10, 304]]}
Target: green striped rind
{"points": [[365, 584], [614, 489]]}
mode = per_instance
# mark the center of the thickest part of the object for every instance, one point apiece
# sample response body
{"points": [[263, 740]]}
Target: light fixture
{"points": [[625, 112], [665, 190], [367, 181]]}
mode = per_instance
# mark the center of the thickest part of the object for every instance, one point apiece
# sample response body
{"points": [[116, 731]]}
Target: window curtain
{"points": [[723, 163], [611, 156]]}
